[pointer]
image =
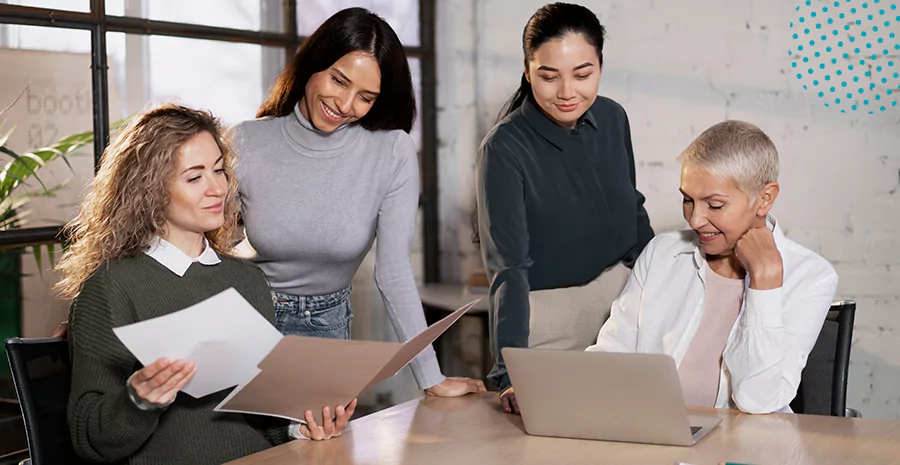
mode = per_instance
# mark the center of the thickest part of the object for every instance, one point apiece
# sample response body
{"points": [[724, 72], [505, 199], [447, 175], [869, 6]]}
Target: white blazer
{"points": [[660, 309]]}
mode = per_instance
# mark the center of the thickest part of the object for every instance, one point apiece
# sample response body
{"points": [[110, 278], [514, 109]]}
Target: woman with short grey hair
{"points": [[737, 304]]}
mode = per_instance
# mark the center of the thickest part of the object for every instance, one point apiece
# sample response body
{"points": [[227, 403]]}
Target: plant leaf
{"points": [[17, 220], [66, 160], [36, 250], [18, 170], [37, 158], [11, 213], [17, 99], [21, 166], [4, 137], [51, 253], [13, 175]]}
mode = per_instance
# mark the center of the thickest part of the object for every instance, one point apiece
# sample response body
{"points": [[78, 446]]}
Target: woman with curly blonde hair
{"points": [[126, 208], [152, 238]]}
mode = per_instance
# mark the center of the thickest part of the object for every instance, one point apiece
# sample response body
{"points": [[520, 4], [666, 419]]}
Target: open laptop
{"points": [[606, 396]]}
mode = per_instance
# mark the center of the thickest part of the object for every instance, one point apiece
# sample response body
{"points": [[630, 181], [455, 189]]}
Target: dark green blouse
{"points": [[556, 207]]}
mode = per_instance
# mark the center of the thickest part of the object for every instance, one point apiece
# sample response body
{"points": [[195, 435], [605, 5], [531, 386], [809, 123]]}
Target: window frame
{"points": [[99, 23]]}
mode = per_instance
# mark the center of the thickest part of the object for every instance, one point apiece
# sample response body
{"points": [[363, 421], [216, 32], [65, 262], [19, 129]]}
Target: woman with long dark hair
{"points": [[328, 166], [558, 211]]}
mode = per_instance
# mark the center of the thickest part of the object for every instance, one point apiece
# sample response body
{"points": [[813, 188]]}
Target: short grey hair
{"points": [[738, 150]]}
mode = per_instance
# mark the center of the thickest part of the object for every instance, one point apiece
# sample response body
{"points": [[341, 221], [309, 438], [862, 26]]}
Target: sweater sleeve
{"points": [[274, 429], [104, 424], [503, 232], [396, 226]]}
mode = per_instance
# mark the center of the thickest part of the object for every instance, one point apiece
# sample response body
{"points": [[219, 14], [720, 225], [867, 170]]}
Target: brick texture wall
{"points": [[677, 68]]}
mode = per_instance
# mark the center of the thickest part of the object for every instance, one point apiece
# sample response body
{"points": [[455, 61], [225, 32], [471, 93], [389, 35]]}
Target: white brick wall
{"points": [[677, 68]]}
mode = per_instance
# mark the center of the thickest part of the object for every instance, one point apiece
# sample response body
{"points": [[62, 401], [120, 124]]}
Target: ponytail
{"points": [[518, 98]]}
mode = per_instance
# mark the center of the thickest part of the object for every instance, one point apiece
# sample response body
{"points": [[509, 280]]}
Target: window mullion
{"points": [[99, 80]]}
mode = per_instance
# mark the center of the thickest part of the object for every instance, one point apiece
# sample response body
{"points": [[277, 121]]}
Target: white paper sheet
{"points": [[224, 336]]}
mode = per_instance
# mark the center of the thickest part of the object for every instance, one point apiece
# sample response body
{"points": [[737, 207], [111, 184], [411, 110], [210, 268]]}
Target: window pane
{"points": [[53, 68], [254, 15], [70, 5], [46, 38], [229, 79], [402, 15]]}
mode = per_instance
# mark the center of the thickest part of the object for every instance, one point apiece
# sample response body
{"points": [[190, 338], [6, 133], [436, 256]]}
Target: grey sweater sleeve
{"points": [[393, 270]]}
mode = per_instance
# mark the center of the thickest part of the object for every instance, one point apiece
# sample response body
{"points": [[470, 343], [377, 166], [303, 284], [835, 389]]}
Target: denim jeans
{"points": [[327, 316]]}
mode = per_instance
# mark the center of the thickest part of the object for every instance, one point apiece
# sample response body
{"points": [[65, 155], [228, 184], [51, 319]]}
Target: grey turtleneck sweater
{"points": [[313, 203]]}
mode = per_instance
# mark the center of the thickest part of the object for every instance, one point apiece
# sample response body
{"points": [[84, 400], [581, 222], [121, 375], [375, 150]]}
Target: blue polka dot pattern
{"points": [[820, 30]]}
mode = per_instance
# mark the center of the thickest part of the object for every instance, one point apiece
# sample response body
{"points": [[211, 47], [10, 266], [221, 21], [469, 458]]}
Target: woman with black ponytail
{"points": [[559, 217]]}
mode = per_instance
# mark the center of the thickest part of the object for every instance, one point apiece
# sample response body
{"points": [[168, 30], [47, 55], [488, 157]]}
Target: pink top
{"points": [[699, 369]]}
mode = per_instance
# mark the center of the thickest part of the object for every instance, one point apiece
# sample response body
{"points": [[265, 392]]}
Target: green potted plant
{"points": [[18, 171]]}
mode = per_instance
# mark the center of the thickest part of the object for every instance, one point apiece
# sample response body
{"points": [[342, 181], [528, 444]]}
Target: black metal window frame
{"points": [[99, 23]]}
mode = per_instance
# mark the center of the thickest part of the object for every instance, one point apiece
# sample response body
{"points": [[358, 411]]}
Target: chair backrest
{"points": [[823, 384], [42, 371]]}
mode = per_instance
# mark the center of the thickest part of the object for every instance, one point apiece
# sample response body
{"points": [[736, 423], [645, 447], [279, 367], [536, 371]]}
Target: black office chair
{"points": [[823, 383], [42, 371]]}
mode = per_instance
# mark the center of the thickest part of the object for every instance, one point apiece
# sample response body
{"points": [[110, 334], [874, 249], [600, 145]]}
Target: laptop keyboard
{"points": [[694, 429]]}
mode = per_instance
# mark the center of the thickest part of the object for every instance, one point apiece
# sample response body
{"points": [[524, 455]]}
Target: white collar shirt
{"points": [[177, 261], [662, 304]]}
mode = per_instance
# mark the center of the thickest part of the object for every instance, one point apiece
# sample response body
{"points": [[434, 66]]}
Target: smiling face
{"points": [[719, 211], [343, 93], [564, 75], [197, 191]]}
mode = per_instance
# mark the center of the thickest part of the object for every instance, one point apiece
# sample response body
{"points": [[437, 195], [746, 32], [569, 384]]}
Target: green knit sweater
{"points": [[104, 423]]}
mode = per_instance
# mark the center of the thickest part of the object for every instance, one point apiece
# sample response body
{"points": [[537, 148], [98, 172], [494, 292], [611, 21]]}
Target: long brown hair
{"points": [[129, 197], [351, 30]]}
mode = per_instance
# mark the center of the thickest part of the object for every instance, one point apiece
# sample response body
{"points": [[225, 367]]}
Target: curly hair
{"points": [[129, 197]]}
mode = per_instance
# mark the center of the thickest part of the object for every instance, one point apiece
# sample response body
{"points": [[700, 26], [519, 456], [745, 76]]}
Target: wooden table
{"points": [[472, 430], [438, 301]]}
